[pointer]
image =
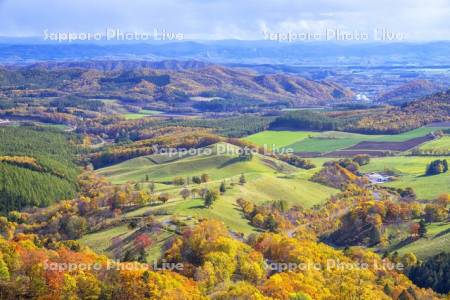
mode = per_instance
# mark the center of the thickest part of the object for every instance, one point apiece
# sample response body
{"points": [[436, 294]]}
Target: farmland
{"points": [[391, 146], [163, 168], [141, 114], [224, 169], [278, 139], [410, 173], [326, 143], [267, 180], [441, 145]]}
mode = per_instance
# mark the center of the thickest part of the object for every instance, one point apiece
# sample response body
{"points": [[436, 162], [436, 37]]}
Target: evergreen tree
{"points": [[222, 188], [422, 228], [242, 179], [142, 257], [196, 179], [210, 197], [375, 236], [432, 273]]}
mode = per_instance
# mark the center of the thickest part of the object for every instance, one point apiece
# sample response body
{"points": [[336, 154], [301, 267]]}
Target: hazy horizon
{"points": [[401, 20]]}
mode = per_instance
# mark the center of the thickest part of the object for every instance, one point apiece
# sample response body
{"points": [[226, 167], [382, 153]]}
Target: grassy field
{"points": [[260, 188], [267, 180], [141, 114], [217, 164], [101, 242], [406, 135], [308, 141], [278, 139], [410, 171], [437, 240], [440, 146], [325, 144]]}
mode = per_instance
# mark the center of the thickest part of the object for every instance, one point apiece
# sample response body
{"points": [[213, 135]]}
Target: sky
{"points": [[411, 20]]}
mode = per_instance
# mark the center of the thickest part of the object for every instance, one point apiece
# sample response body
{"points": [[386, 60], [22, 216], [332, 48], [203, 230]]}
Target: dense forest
{"points": [[434, 108], [37, 167], [433, 272], [304, 120]]}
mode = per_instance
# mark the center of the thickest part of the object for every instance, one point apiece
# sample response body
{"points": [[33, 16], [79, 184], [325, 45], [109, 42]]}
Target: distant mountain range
{"points": [[193, 84], [411, 90], [233, 51]]}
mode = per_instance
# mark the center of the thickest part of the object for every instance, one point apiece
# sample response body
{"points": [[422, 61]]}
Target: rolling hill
{"points": [[267, 180], [411, 91], [194, 85]]}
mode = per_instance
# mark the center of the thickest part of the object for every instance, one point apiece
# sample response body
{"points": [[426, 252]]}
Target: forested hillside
{"points": [[209, 88], [435, 108], [37, 167]]}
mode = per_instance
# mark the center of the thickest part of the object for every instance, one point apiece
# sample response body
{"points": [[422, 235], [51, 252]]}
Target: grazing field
{"points": [[437, 241], [260, 188], [278, 139], [215, 165], [441, 145], [410, 173], [267, 180]]}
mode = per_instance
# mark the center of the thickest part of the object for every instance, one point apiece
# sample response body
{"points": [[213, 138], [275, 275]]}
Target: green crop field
{"points": [[410, 171], [278, 139], [141, 114], [308, 141], [441, 145], [324, 144]]}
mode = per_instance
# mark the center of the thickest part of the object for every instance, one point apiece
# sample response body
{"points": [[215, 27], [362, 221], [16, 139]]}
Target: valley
{"points": [[115, 164]]}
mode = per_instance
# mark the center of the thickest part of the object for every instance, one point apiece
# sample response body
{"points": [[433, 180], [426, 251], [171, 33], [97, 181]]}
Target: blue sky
{"points": [[226, 19]]}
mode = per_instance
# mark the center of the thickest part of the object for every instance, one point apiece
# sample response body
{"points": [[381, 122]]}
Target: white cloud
{"points": [[220, 19]]}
